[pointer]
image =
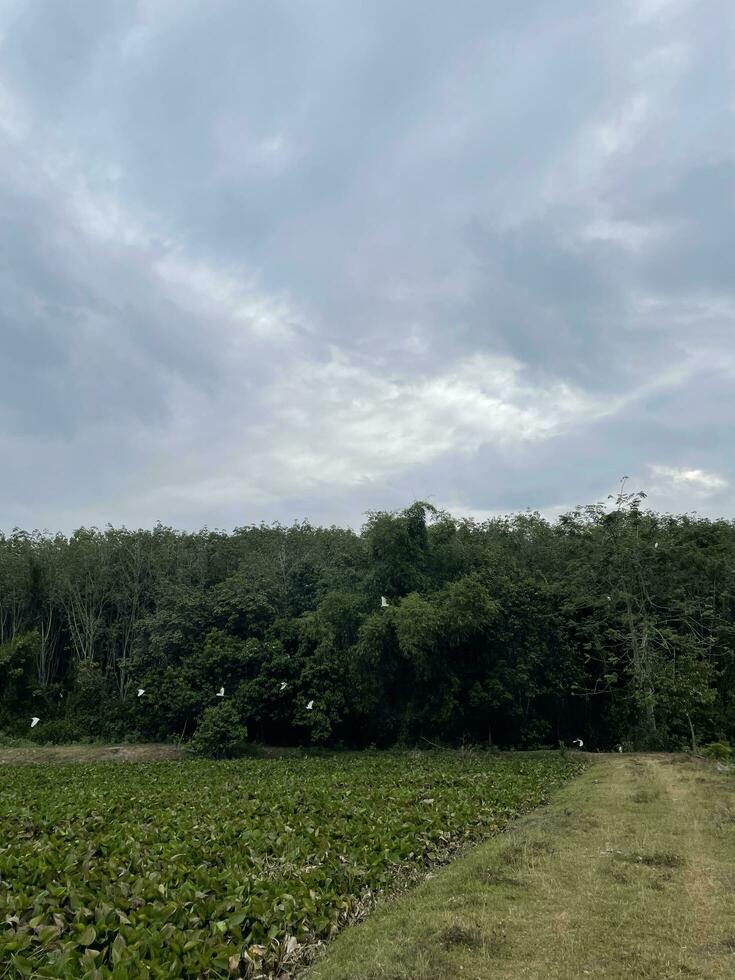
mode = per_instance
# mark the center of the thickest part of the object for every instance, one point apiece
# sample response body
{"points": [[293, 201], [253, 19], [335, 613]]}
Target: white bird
{"points": [[34, 721], [310, 705], [284, 685], [221, 693], [578, 742], [383, 602], [141, 692], [618, 748], [656, 545], [609, 598]]}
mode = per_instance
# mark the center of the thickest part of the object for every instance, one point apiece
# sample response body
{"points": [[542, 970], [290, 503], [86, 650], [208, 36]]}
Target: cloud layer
{"points": [[271, 261]]}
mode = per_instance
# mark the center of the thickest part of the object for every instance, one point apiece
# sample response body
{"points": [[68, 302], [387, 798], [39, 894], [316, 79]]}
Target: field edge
{"points": [[595, 883]]}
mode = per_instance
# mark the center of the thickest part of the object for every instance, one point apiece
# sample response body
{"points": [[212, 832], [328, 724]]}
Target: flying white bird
{"points": [[578, 742], [34, 722], [383, 602], [221, 693], [284, 685], [141, 692], [310, 705]]}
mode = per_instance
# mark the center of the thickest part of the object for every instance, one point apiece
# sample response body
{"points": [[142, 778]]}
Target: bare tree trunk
{"points": [[84, 617], [691, 729], [10, 620], [47, 648]]}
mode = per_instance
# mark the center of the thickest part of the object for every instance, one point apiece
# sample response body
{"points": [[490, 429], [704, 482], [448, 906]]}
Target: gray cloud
{"points": [[270, 260]]}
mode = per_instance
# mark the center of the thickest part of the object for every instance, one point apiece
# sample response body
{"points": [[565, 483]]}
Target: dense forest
{"points": [[613, 624]]}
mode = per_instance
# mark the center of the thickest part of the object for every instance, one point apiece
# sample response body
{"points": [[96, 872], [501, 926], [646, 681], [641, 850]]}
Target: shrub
{"points": [[219, 734], [56, 731], [717, 750]]}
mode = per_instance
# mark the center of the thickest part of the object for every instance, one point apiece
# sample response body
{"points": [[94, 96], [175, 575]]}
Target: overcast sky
{"points": [[285, 259]]}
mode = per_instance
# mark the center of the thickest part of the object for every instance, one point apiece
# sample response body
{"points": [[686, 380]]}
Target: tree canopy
{"points": [[613, 624]]}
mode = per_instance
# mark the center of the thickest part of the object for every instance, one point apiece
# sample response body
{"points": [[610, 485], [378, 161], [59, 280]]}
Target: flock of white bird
{"points": [[219, 694], [310, 705]]}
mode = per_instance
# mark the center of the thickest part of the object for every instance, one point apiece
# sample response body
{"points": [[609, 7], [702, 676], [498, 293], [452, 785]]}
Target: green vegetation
{"points": [[613, 624], [717, 750], [219, 734], [226, 869], [628, 873]]}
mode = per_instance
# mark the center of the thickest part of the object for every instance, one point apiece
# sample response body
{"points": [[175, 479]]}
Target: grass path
{"points": [[630, 873]]}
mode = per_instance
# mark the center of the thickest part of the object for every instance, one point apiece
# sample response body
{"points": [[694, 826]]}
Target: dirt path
{"points": [[31, 754], [630, 873]]}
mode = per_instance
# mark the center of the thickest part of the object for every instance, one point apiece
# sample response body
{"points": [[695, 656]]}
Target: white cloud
{"points": [[228, 299], [343, 423], [14, 119], [651, 10], [338, 425], [630, 235], [242, 154], [619, 132], [550, 512], [678, 478], [211, 290]]}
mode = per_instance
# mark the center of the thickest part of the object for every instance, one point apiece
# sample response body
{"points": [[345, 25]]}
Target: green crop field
{"points": [[203, 869]]}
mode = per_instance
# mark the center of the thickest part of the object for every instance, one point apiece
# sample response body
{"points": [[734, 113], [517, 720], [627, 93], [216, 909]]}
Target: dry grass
{"points": [[630, 873], [18, 755]]}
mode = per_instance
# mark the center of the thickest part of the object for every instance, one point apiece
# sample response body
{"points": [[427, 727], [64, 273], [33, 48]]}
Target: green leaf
{"points": [[87, 936]]}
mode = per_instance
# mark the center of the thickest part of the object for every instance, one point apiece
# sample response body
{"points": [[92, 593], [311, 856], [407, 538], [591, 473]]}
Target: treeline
{"points": [[613, 624]]}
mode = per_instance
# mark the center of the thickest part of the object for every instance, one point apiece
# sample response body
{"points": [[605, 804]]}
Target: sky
{"points": [[302, 259]]}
